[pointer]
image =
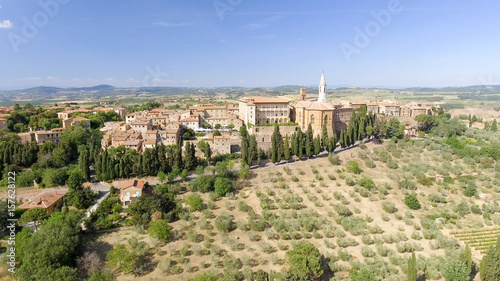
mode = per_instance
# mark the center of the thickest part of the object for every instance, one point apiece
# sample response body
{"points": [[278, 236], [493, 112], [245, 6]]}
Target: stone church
{"points": [[320, 112]]}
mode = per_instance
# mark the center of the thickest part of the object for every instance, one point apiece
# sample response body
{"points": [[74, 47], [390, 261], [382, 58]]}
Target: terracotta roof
{"points": [[190, 119], [44, 200], [256, 100], [79, 118], [76, 110], [222, 137], [1, 119], [132, 142], [132, 183]]}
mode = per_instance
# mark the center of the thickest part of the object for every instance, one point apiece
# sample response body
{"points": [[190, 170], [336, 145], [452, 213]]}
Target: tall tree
{"points": [[324, 136], [300, 143], [317, 145], [494, 125], [244, 144], [276, 145], [253, 150], [286, 151], [490, 265], [84, 161], [309, 141], [412, 268]]}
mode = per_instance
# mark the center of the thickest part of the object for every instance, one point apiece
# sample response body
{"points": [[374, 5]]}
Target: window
{"points": [[128, 193], [312, 119]]}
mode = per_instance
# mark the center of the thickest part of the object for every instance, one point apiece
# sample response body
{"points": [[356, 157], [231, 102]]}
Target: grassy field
{"points": [[355, 220]]}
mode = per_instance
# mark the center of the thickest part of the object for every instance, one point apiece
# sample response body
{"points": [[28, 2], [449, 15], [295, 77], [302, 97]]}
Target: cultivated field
{"points": [[355, 218]]}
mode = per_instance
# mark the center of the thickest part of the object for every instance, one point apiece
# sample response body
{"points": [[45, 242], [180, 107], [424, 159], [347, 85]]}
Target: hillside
{"points": [[355, 220]]}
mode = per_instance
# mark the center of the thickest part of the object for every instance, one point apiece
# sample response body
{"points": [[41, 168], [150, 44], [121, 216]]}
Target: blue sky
{"points": [[207, 43]]}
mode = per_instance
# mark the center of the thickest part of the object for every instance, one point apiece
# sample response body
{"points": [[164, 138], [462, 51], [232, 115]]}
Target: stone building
{"points": [[263, 110]]}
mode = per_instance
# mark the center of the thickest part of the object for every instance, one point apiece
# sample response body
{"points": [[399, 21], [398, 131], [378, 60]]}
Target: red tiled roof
{"points": [[132, 183]]}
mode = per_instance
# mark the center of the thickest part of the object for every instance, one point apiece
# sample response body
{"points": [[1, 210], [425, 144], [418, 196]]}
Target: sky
{"points": [[249, 43]]}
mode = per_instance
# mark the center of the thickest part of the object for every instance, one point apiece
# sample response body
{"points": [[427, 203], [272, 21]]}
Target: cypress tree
{"points": [[178, 163], [286, 151], [317, 145], [490, 265], [276, 145], [494, 125], [309, 141], [295, 147], [412, 268], [467, 258], [324, 136], [300, 144], [342, 139], [252, 151]]}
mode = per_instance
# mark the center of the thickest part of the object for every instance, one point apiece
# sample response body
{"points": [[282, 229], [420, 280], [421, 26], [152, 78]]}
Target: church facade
{"points": [[320, 112]]}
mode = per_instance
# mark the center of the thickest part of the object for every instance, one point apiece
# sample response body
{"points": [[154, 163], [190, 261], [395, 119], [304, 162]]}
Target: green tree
{"points": [[159, 229], [35, 215], [77, 195], [276, 145], [490, 265], [455, 270], [224, 223], [324, 136], [194, 202], [50, 253], [286, 151], [309, 141], [222, 186], [466, 258], [353, 167], [317, 145], [363, 274], [412, 268], [305, 260], [245, 144], [494, 126], [412, 202]]}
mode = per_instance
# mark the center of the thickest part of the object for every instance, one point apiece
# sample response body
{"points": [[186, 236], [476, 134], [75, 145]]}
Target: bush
{"points": [[224, 223], [353, 167], [334, 159], [389, 207], [305, 260], [455, 270], [222, 186], [412, 202], [407, 184], [470, 190], [159, 230], [366, 183], [194, 202]]}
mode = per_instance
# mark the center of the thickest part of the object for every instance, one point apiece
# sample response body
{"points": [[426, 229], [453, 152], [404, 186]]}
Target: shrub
{"points": [[159, 229], [305, 260], [194, 202], [353, 167], [389, 207], [224, 223], [334, 159], [366, 183], [222, 186], [470, 190], [456, 270], [294, 179], [412, 202], [407, 184], [367, 252]]}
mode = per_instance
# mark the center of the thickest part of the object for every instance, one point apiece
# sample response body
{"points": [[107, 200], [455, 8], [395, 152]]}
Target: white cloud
{"points": [[168, 24], [6, 24]]}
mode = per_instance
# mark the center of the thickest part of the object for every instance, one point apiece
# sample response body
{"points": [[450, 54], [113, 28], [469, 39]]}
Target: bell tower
{"points": [[322, 89]]}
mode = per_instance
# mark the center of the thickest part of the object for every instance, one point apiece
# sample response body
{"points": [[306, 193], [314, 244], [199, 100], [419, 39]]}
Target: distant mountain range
{"points": [[107, 91]]}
